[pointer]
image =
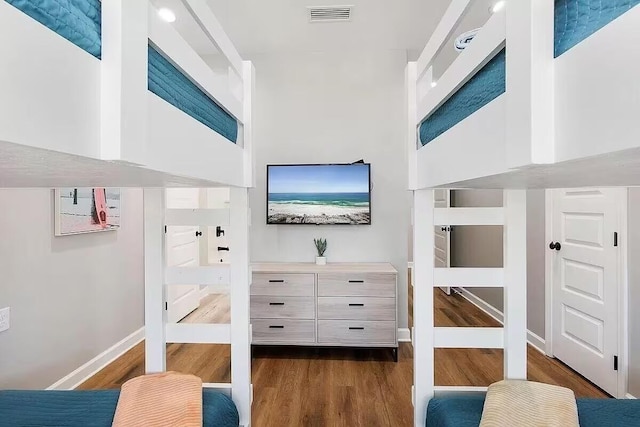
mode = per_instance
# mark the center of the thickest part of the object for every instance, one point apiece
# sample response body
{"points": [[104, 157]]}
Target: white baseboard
{"points": [[86, 371], [404, 335], [630, 396], [534, 340]]}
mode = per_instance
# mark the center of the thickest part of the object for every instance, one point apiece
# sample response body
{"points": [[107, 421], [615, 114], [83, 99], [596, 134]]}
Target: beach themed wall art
{"points": [[319, 194], [86, 210]]}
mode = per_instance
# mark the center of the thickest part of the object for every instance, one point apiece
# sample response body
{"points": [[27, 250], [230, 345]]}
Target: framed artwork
{"points": [[86, 210]]}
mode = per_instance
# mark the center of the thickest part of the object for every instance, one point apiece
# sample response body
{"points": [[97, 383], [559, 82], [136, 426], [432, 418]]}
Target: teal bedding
{"points": [[575, 20], [170, 84], [92, 408], [80, 22], [466, 411]]}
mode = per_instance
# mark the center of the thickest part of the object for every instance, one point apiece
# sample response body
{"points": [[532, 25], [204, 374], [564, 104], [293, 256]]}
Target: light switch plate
{"points": [[5, 319]]}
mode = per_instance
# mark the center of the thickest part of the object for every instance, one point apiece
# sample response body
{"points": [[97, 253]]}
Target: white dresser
{"points": [[348, 305]]}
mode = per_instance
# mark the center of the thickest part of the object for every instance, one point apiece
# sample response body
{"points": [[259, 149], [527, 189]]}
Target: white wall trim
{"points": [[404, 335], [89, 369], [533, 339], [630, 396]]}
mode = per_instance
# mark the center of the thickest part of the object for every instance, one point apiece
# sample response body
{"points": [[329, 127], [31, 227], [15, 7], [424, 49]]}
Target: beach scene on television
{"points": [[319, 194]]}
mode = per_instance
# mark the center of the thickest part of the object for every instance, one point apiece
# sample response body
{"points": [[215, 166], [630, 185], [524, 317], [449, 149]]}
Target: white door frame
{"points": [[623, 288]]}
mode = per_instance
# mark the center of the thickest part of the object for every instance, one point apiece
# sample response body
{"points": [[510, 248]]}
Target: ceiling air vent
{"points": [[329, 13]]}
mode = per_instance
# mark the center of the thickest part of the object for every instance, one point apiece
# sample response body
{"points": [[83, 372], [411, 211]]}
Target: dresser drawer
{"points": [[283, 331], [357, 308], [356, 332], [356, 284], [295, 285], [276, 307]]}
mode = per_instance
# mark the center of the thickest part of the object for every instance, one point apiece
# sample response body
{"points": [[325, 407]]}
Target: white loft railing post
{"points": [[530, 82], [206, 19], [412, 125], [123, 87], [154, 309], [249, 85], [449, 22], [515, 289], [423, 320], [240, 325]]}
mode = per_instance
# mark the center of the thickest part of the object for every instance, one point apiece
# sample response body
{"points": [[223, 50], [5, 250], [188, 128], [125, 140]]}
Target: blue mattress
{"points": [[78, 21], [92, 408], [485, 86], [170, 84], [575, 20], [466, 411]]}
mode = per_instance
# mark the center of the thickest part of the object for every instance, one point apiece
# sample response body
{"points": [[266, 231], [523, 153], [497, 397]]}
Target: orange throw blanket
{"points": [[164, 399]]}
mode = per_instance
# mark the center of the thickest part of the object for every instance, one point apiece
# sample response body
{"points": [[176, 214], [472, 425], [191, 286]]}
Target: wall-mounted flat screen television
{"points": [[319, 194]]}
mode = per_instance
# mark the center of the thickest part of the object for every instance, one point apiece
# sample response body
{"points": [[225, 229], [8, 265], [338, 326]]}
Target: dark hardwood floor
{"points": [[345, 387]]}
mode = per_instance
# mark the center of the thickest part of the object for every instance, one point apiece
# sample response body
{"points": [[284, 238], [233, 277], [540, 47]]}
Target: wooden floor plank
{"points": [[309, 387]]}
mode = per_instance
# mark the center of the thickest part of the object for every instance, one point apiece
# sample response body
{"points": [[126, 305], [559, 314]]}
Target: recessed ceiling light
{"points": [[498, 6], [434, 84], [167, 14]]}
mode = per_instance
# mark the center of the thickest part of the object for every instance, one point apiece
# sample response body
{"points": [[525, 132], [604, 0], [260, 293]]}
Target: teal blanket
{"points": [[92, 408]]}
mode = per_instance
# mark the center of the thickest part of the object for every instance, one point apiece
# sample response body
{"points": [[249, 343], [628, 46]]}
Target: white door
{"points": [[441, 238], [585, 281], [182, 250]]}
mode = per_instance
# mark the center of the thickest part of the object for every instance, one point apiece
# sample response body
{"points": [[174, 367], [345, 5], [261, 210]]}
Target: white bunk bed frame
{"points": [[552, 128], [563, 122], [65, 120]]}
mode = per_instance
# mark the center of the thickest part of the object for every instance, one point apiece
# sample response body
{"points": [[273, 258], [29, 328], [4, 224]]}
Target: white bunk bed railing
{"points": [[127, 30], [489, 41], [513, 130]]}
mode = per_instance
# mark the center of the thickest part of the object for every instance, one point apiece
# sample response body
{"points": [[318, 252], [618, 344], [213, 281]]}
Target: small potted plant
{"points": [[321, 247]]}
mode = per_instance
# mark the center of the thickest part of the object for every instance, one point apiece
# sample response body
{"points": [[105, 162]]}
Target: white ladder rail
{"points": [[512, 338], [158, 276]]}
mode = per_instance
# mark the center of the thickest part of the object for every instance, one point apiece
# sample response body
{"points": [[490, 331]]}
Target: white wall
{"points": [[71, 297], [334, 107]]}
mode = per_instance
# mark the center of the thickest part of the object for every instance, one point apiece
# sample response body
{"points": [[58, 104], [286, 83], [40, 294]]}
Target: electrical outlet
{"points": [[5, 317]]}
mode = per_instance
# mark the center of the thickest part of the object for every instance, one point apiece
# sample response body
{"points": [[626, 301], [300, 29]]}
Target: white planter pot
{"points": [[321, 260]]}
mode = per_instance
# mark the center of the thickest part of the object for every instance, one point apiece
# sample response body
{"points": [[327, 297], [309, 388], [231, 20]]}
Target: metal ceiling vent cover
{"points": [[330, 13]]}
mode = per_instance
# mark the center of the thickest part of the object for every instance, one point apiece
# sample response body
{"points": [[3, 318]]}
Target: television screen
{"points": [[319, 194]]}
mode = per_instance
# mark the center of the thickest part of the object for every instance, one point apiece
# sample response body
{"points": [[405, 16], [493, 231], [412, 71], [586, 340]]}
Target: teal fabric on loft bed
{"points": [[170, 84], [485, 86], [78, 21], [466, 411], [575, 20], [93, 408]]}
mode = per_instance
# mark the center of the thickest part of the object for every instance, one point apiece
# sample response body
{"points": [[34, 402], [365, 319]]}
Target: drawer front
{"points": [[357, 308], [283, 331], [275, 307], [356, 332], [295, 285], [357, 284]]}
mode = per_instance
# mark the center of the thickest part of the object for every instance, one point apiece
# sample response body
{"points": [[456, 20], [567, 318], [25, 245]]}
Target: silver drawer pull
{"points": [[276, 281], [276, 303], [356, 328], [276, 327], [356, 281], [356, 305]]}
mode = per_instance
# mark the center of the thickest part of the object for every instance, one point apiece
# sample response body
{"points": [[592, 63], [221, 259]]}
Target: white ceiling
{"points": [[281, 26]]}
